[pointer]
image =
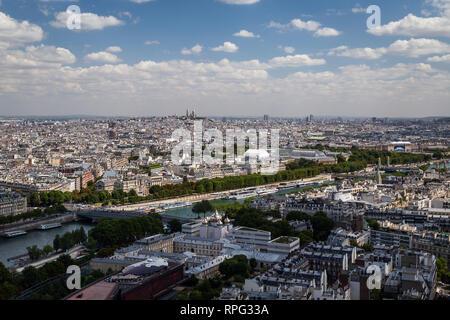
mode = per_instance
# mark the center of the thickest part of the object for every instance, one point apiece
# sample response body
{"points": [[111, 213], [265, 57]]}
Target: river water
{"points": [[17, 246]]}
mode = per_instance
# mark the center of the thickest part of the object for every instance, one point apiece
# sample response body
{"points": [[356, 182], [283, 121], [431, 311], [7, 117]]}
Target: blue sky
{"points": [[168, 55]]}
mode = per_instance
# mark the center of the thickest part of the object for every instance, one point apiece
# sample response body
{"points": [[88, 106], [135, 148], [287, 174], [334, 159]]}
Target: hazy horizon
{"points": [[239, 58]]}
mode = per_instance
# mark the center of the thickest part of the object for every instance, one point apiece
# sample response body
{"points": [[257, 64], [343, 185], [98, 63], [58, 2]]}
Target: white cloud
{"points": [[358, 53], [126, 14], [239, 2], [227, 47], [245, 34], [308, 25], [415, 27], [358, 10], [37, 57], [149, 43], [418, 47], [224, 88], [288, 49], [114, 49], [327, 32], [277, 25], [89, 21], [18, 33], [51, 54], [445, 58], [299, 60], [311, 25], [412, 48], [102, 56], [194, 50]]}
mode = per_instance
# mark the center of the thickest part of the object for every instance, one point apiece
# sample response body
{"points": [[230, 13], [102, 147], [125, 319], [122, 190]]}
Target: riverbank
{"points": [[15, 247], [73, 253], [32, 225], [212, 196]]}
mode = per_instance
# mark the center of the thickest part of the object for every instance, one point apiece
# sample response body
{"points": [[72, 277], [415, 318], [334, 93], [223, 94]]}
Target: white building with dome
{"points": [[213, 228]]}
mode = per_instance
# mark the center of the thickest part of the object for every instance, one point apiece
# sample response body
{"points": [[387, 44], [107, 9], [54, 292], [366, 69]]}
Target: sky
{"points": [[285, 58]]}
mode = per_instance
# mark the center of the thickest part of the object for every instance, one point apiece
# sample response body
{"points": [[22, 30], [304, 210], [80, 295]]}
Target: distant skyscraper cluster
{"points": [[191, 115]]}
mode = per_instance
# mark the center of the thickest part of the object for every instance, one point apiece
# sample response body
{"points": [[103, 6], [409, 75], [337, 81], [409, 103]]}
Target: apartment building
{"points": [[12, 203], [198, 246]]}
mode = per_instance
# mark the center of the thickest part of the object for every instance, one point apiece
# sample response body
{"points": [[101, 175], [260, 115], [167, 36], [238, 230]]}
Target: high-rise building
{"points": [[379, 179]]}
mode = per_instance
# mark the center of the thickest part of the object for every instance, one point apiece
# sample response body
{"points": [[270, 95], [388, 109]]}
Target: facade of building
{"points": [[390, 238], [157, 243], [191, 229], [12, 203], [250, 236], [198, 246], [283, 245]]}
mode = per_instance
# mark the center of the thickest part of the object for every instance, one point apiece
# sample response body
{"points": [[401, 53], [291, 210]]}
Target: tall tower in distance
{"points": [[379, 179]]}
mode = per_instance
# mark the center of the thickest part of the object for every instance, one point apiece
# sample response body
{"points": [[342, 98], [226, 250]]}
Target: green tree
{"points": [[442, 270], [35, 201], [340, 158], [353, 243], [105, 252], [375, 294], [306, 236], [322, 226], [65, 259], [438, 154], [202, 207], [175, 225], [373, 224], [300, 216], [8, 290], [132, 193], [196, 295], [238, 265], [30, 277], [91, 244], [4, 273], [47, 249], [34, 252], [57, 242]]}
